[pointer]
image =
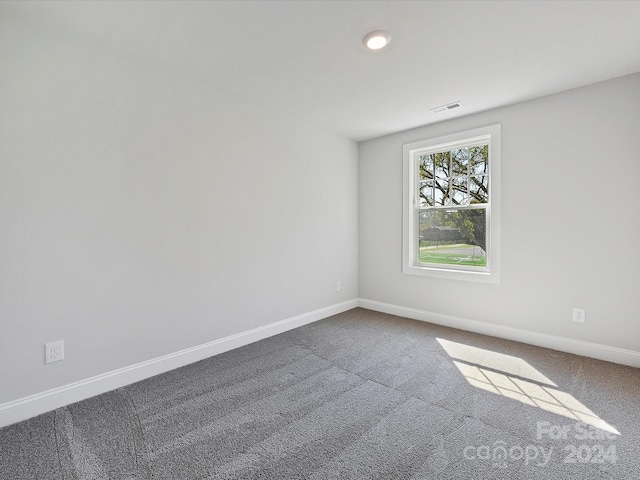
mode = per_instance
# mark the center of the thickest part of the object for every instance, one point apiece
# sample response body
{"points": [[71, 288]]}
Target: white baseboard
{"points": [[563, 344], [27, 407]]}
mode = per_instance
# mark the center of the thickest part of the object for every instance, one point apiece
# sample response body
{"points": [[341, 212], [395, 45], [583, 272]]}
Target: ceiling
{"points": [[305, 59]]}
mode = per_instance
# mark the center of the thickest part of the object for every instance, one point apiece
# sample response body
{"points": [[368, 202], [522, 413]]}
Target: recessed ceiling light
{"points": [[376, 40]]}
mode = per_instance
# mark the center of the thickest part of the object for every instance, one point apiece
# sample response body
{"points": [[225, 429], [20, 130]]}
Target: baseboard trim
{"points": [[563, 344], [33, 405]]}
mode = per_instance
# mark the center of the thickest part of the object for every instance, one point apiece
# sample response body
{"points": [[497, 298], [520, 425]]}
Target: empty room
{"points": [[390, 240]]}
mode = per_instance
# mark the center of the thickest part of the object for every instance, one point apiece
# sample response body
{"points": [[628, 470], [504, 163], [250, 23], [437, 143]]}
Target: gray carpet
{"points": [[358, 395]]}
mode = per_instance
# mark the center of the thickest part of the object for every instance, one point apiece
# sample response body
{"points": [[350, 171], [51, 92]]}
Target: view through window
{"points": [[450, 204], [453, 200]]}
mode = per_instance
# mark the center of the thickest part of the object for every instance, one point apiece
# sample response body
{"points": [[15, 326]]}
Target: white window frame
{"points": [[410, 248]]}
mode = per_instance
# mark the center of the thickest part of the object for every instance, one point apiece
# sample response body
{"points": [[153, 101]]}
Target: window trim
{"points": [[410, 265]]}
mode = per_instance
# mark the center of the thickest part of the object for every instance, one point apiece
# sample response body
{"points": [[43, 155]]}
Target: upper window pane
{"points": [[479, 189], [440, 192], [460, 191], [442, 161], [426, 194], [454, 177], [425, 163], [479, 163], [460, 161]]}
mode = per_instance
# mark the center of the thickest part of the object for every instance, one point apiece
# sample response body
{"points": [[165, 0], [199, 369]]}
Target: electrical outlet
{"points": [[54, 351], [579, 315], [338, 286]]}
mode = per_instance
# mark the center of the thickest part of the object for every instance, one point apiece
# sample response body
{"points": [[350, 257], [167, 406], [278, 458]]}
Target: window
{"points": [[451, 206]]}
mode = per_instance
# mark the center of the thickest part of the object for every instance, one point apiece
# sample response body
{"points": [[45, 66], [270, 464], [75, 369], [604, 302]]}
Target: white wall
{"points": [[142, 214], [570, 219]]}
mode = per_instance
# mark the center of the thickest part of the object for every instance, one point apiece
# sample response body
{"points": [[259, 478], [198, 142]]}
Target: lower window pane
{"points": [[453, 237]]}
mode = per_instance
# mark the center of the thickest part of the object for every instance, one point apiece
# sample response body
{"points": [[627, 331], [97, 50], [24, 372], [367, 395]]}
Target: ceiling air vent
{"points": [[444, 108]]}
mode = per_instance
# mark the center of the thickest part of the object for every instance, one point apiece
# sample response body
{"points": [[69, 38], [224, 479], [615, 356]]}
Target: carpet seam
{"points": [[143, 459], [55, 431]]}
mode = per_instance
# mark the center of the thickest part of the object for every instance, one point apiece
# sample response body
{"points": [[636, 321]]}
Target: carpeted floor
{"points": [[361, 395]]}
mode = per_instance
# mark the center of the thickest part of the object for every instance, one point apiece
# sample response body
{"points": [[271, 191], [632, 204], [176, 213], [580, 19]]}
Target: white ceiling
{"points": [[306, 59]]}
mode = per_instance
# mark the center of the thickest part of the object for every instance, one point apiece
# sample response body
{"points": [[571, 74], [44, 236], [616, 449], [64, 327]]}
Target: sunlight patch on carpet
{"points": [[514, 378]]}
